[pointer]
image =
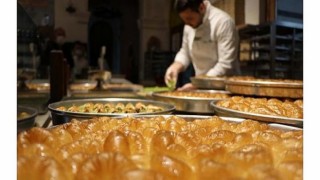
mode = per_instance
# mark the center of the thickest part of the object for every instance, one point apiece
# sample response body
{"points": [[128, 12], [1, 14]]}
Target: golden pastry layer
{"points": [[133, 87], [248, 85], [272, 106], [112, 108], [195, 94], [159, 148], [251, 78], [208, 76]]}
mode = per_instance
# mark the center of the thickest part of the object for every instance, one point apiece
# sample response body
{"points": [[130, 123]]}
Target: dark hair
{"points": [[181, 5]]}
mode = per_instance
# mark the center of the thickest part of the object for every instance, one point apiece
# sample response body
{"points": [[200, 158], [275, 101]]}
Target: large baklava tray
{"points": [[248, 85], [209, 82], [122, 87], [65, 111], [161, 147], [193, 101], [284, 111]]}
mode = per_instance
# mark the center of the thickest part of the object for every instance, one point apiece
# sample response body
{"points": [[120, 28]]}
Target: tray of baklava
{"points": [[192, 101], [284, 111], [266, 87], [65, 111], [161, 147], [209, 82]]}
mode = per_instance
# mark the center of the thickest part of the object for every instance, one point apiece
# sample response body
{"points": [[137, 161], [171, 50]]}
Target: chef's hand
{"points": [[187, 87], [172, 72]]}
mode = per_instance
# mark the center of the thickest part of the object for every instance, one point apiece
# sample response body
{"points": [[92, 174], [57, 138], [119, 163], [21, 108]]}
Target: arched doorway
{"points": [[104, 30], [101, 35], [121, 18]]}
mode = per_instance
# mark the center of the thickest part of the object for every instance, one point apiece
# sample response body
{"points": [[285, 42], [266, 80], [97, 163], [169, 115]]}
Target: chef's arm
{"points": [[227, 44], [183, 55], [172, 72], [181, 61]]}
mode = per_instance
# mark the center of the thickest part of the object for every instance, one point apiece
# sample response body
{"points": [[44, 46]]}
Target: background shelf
{"points": [[274, 50]]}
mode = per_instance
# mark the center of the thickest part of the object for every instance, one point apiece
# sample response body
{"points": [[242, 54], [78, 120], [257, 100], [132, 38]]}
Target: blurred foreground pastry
{"points": [[160, 148]]}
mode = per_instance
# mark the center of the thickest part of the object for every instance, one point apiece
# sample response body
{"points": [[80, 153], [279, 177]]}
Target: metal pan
{"points": [[268, 87], [83, 85], [38, 84], [190, 104], [207, 82], [28, 120], [60, 117], [122, 87], [222, 111]]}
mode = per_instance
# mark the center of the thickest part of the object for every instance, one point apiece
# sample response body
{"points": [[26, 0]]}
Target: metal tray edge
{"points": [[260, 117]]}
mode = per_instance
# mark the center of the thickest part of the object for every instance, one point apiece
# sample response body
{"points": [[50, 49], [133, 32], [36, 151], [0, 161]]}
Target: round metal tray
{"points": [[27, 122], [38, 84], [207, 82], [222, 111], [60, 117], [272, 88], [122, 87], [83, 85], [190, 104]]}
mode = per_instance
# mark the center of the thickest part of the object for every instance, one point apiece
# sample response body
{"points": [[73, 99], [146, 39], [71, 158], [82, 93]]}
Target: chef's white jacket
{"points": [[213, 46]]}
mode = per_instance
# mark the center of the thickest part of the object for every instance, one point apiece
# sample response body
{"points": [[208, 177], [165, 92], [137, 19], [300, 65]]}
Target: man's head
{"points": [[191, 11]]}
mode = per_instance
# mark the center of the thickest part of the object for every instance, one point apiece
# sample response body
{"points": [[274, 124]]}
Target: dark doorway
{"points": [[104, 30], [115, 24], [101, 34]]}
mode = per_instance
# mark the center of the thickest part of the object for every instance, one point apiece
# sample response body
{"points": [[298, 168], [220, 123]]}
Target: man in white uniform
{"points": [[210, 42]]}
